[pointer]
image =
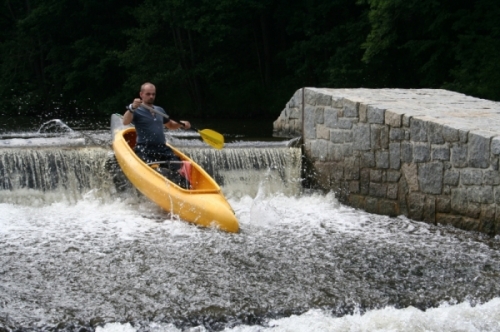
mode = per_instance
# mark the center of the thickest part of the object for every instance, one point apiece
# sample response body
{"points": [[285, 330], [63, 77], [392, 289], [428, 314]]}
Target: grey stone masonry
{"points": [[429, 154]]}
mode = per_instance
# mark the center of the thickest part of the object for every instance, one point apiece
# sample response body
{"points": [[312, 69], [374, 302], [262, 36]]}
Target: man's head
{"points": [[148, 93]]}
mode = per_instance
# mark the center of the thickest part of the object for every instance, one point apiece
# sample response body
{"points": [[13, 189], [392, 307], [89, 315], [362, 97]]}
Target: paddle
{"points": [[210, 137]]}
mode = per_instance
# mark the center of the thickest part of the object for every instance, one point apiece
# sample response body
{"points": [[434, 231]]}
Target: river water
{"points": [[80, 250]]}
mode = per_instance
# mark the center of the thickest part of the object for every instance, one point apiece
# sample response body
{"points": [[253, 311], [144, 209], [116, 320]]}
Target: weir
{"points": [[428, 154], [71, 172]]}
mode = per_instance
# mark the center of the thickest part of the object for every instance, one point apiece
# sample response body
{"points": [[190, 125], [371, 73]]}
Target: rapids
{"points": [[80, 250]]}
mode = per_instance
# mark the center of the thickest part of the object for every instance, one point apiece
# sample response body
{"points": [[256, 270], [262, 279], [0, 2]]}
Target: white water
{"points": [[460, 317], [75, 252], [34, 238]]}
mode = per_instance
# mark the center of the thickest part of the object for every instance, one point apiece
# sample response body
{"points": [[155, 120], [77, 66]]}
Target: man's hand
{"points": [[136, 103], [186, 124]]}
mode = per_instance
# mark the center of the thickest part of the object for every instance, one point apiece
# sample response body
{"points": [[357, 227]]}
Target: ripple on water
{"points": [[126, 261]]}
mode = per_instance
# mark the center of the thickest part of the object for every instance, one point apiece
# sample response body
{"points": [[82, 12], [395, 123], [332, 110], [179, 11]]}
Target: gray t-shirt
{"points": [[149, 127]]}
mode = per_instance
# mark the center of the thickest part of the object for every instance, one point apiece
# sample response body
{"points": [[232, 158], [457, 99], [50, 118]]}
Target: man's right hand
{"points": [[136, 103]]}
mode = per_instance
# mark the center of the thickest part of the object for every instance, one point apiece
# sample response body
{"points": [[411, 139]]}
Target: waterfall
{"points": [[44, 174], [29, 175]]}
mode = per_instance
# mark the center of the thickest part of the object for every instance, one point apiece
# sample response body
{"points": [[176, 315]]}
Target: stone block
{"points": [[337, 102], [406, 120], [309, 122], [351, 109], [429, 209], [337, 135], [346, 123], [371, 204], [354, 187], [479, 151], [435, 133], [495, 145], [494, 163], [295, 113], [440, 152], [396, 134], [451, 177], [473, 210], [367, 159], [378, 189], [393, 175], [322, 132], [409, 172], [463, 136], [448, 219], [395, 155], [310, 97], [393, 119], [376, 175], [450, 135], [487, 218], [335, 152], [347, 150], [406, 152], [351, 171], [363, 113], [459, 200], [481, 194], [319, 149], [491, 178], [443, 204], [402, 196], [418, 130], [361, 137], [416, 203], [469, 224], [430, 178], [323, 99], [421, 153], [319, 115], [382, 159], [379, 136], [375, 115], [388, 207], [323, 175], [459, 155], [488, 212], [348, 136], [330, 117], [392, 191], [357, 201], [337, 171], [364, 181], [447, 190], [471, 177]]}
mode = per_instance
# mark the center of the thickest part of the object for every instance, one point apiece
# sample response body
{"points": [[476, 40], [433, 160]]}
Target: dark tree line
{"points": [[238, 58]]}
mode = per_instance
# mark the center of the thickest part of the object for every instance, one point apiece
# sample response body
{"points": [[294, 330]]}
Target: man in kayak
{"points": [[151, 143]]}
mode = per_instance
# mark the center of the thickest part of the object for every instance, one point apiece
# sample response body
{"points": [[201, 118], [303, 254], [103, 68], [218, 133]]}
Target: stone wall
{"points": [[431, 155]]}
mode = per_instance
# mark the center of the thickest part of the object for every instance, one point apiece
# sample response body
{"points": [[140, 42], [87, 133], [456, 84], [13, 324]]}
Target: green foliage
{"points": [[436, 44], [237, 58]]}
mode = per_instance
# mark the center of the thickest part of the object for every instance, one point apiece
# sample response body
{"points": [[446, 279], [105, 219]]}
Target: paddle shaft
{"points": [[165, 116], [210, 137]]}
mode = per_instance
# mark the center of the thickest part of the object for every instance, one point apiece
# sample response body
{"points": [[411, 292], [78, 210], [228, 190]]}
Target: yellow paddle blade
{"points": [[212, 138]]}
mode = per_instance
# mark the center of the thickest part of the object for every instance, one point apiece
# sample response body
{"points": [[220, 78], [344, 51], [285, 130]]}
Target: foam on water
{"points": [[446, 318], [106, 261]]}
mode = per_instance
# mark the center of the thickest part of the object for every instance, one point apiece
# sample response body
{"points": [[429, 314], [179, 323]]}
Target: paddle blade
{"points": [[212, 138]]}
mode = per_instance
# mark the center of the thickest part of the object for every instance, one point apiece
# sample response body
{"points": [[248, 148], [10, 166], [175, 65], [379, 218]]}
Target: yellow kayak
{"points": [[202, 204]]}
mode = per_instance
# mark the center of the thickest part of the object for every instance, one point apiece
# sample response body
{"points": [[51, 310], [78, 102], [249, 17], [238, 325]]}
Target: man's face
{"points": [[148, 94]]}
